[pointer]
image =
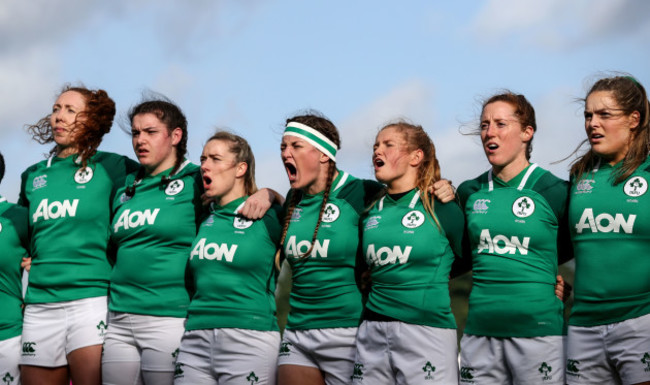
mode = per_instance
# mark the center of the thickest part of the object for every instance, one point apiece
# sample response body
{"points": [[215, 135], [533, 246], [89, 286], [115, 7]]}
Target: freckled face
{"points": [[65, 116], [390, 156], [504, 139]]}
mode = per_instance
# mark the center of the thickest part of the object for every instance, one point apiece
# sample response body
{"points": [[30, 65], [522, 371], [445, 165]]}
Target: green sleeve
{"points": [[453, 223], [464, 264], [556, 193], [272, 222], [18, 216]]}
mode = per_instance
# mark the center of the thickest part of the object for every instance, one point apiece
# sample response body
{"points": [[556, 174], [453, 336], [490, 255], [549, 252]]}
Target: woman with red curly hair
{"points": [[69, 197]]}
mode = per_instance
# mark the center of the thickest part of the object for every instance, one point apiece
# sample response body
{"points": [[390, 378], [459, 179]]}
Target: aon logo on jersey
{"points": [[55, 209], [386, 255], [213, 251], [501, 244], [605, 223], [299, 249], [129, 220]]}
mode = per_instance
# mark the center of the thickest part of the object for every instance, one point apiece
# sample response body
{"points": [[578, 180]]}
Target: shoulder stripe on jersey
{"points": [[49, 160], [239, 207], [523, 180], [490, 182], [526, 176], [380, 205], [597, 166], [344, 177], [182, 166], [414, 200]]}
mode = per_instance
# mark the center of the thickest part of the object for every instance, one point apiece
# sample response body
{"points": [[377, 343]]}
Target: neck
{"points": [[321, 183], [64, 152], [511, 170], [236, 192], [165, 165], [406, 182]]}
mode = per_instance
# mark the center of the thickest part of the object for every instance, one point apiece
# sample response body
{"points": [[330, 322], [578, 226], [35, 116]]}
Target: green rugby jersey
{"points": [[13, 248], [610, 229], [324, 292], [410, 259], [153, 232], [515, 236], [232, 266], [69, 219]]}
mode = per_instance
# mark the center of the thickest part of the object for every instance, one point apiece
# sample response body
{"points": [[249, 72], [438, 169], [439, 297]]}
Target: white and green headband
{"points": [[315, 138]]}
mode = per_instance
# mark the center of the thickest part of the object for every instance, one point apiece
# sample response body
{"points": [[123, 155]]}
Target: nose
{"points": [[490, 130], [285, 153], [58, 116]]}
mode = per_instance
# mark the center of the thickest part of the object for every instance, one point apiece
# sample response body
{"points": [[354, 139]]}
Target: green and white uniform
{"points": [[610, 229], [14, 244], [152, 232], [408, 322], [70, 206], [232, 268], [69, 217], [324, 293], [515, 237]]}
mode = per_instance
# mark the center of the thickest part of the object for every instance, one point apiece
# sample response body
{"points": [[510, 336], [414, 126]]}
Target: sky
{"points": [[248, 65]]}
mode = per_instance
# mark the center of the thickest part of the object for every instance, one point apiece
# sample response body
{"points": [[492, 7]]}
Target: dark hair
{"points": [[2, 167], [429, 170], [98, 119], [243, 153], [630, 96], [172, 117], [320, 123]]}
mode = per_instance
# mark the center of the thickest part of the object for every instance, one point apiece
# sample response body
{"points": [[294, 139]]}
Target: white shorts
{"points": [[138, 343], [617, 353], [9, 356], [530, 361], [227, 357], [330, 350], [400, 353], [52, 330]]}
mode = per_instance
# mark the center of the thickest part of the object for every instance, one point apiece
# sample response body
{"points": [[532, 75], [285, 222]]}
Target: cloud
{"points": [[558, 24]]}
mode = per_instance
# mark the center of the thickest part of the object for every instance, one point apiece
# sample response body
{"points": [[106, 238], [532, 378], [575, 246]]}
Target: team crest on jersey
{"points": [[636, 186], [209, 220], [413, 219], [523, 207], [39, 182], [481, 206], [174, 187], [331, 213], [83, 175], [584, 186], [242, 223]]}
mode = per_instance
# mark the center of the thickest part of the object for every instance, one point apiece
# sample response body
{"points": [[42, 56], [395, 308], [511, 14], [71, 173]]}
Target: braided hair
{"points": [[323, 125]]}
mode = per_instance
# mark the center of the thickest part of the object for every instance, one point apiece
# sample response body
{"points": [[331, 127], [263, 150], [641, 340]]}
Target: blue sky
{"points": [[248, 65]]}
